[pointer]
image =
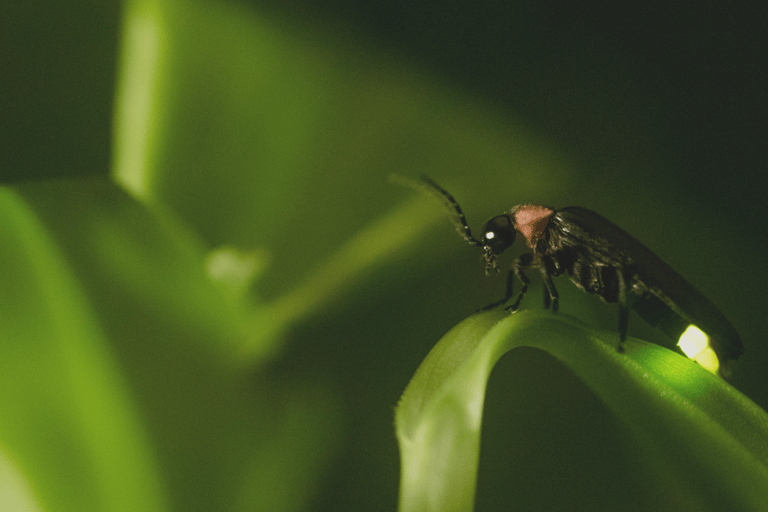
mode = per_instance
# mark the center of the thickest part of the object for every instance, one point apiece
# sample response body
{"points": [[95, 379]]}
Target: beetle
{"points": [[601, 259]]}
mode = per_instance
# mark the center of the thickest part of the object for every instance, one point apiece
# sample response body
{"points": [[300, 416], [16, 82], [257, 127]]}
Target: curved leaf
{"points": [[694, 427]]}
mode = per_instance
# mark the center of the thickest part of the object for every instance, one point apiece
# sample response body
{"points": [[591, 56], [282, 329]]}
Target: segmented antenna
{"points": [[452, 207]]}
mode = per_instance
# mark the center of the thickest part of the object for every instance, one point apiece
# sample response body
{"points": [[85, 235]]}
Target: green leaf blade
{"points": [[68, 422], [702, 441]]}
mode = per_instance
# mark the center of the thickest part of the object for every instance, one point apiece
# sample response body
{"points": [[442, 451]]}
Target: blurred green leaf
{"points": [[68, 418], [705, 443], [171, 336], [122, 248]]}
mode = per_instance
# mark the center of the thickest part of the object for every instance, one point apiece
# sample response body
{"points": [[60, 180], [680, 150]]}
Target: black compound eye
{"points": [[499, 233]]}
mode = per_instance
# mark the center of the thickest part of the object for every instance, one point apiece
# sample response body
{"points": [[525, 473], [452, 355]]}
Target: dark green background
{"points": [[656, 113]]}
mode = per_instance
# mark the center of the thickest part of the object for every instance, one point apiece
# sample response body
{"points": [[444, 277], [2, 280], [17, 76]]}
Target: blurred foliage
{"points": [[265, 133]]}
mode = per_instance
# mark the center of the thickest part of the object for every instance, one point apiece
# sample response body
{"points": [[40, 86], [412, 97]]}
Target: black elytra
{"points": [[601, 259]]}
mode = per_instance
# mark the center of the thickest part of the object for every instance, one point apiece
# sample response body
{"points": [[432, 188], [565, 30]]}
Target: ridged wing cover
{"points": [[593, 238]]}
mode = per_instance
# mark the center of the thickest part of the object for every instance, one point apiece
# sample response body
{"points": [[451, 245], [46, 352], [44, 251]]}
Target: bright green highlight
{"points": [[671, 407], [234, 268], [15, 492], [136, 108], [695, 344]]}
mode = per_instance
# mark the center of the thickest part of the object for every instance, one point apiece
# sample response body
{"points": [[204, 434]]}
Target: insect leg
{"points": [[508, 293], [550, 292], [524, 261], [623, 309]]}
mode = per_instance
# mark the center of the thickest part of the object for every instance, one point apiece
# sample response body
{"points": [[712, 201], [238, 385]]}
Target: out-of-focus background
{"points": [[272, 128]]}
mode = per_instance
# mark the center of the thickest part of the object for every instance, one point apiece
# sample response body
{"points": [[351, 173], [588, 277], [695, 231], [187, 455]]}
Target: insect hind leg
{"points": [[548, 269]]}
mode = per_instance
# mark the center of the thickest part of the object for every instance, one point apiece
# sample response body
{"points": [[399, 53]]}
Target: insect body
{"points": [[601, 259]]}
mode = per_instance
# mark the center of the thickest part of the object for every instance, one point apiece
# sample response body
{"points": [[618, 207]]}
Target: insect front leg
{"points": [[524, 261], [508, 294]]}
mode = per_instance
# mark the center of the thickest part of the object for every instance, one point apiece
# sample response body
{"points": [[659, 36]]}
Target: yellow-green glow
{"points": [[693, 341], [708, 359], [695, 344]]}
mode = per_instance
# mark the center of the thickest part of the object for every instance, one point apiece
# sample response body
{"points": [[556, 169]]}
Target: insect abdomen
{"points": [[590, 240], [599, 280]]}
